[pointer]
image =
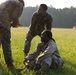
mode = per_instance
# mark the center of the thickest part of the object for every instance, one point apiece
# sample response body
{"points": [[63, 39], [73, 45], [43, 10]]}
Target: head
{"points": [[42, 9], [22, 1], [46, 36]]}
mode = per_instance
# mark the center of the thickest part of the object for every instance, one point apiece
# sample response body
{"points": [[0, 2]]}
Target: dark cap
{"points": [[47, 33]]}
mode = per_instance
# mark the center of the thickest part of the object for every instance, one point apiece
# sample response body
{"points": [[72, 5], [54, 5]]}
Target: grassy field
{"points": [[65, 40]]}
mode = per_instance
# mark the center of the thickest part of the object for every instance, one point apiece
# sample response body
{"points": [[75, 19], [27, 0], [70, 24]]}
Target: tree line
{"points": [[62, 18]]}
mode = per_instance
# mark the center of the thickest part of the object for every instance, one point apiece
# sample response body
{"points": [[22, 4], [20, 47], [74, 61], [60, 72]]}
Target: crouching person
{"points": [[49, 58]]}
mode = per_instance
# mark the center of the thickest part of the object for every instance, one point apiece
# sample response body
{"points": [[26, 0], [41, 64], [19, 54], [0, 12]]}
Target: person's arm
{"points": [[35, 53], [49, 23], [33, 22], [17, 13], [51, 48], [15, 22]]}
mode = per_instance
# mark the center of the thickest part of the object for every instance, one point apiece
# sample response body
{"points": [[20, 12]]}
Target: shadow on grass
{"points": [[14, 71], [3, 71], [68, 69], [9, 71]]}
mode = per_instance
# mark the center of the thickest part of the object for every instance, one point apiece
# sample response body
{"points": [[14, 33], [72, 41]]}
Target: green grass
{"points": [[65, 40]]}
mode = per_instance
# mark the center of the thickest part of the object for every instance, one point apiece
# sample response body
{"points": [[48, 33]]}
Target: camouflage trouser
{"points": [[6, 46], [27, 44], [34, 65], [45, 65], [57, 62]]}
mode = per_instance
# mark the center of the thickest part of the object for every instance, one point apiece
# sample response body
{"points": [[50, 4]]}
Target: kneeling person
{"points": [[49, 58]]}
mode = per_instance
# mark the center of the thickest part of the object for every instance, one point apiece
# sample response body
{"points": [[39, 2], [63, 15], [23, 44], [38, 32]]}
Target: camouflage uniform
{"points": [[10, 11], [49, 56], [38, 24]]}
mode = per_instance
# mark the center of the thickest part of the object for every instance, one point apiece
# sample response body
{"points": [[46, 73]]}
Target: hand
{"points": [[25, 60], [15, 25]]}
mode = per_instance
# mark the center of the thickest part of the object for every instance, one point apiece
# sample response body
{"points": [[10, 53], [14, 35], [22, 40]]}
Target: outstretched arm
{"points": [[35, 53], [49, 23]]}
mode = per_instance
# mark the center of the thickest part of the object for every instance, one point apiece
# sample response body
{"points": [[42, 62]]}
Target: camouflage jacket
{"points": [[39, 23], [10, 11], [48, 50]]}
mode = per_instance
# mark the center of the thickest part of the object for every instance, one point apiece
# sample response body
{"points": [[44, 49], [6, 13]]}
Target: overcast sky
{"points": [[54, 3]]}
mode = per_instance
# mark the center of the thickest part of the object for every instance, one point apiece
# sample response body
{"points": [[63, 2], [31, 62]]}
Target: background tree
{"points": [[62, 18]]}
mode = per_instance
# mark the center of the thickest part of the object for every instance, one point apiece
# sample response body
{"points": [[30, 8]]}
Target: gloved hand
{"points": [[25, 60]]}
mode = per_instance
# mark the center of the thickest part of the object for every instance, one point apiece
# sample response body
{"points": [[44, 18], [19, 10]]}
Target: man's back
{"points": [[10, 7], [10, 11]]}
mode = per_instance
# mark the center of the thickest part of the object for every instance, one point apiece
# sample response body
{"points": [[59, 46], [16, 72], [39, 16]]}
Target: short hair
{"points": [[44, 6], [47, 33], [22, 1]]}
